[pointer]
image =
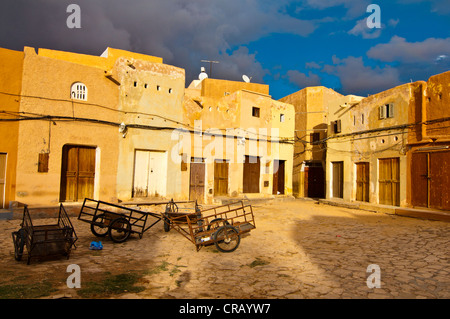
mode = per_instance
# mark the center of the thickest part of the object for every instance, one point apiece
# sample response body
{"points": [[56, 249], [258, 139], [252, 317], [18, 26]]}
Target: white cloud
{"points": [[357, 78], [363, 30], [398, 49], [302, 80]]}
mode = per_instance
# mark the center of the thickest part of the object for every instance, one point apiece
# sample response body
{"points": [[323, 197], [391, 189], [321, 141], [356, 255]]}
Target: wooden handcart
{"points": [[44, 240], [221, 225], [117, 221]]}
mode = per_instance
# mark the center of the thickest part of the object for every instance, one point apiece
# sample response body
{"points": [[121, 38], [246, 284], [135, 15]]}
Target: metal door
{"points": [[150, 173]]}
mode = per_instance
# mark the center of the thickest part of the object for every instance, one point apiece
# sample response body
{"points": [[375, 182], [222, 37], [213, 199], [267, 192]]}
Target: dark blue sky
{"points": [[286, 44]]}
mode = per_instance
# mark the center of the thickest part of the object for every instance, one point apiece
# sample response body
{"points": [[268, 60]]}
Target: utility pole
{"points": [[210, 66]]}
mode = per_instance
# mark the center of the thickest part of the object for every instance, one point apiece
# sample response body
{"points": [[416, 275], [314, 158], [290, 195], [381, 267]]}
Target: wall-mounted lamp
{"points": [[123, 129]]}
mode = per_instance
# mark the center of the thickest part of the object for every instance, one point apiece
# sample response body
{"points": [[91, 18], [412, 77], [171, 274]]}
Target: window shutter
{"points": [[391, 110], [382, 111]]}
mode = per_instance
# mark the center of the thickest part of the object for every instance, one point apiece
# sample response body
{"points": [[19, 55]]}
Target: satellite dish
{"points": [[203, 74], [246, 78]]}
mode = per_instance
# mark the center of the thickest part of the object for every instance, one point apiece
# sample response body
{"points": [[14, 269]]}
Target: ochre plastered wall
{"points": [[46, 89], [11, 65]]}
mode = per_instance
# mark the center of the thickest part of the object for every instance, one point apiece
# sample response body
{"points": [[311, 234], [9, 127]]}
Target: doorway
{"points": [[220, 177], [389, 181], [362, 182], [430, 178], [278, 177], [314, 180], [251, 174], [2, 179], [150, 173], [197, 180], [77, 173], [338, 179]]}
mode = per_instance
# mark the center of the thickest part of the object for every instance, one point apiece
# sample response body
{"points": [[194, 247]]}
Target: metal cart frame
{"points": [[44, 240], [117, 221], [221, 225]]}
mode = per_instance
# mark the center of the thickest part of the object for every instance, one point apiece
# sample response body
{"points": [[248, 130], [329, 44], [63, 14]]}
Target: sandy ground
{"points": [[299, 249]]}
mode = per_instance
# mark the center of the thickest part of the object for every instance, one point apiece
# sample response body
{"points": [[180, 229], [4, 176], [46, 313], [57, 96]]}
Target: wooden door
{"points": [[419, 180], [2, 179], [278, 177], [78, 173], [362, 182], [314, 182], [197, 181], [338, 179], [389, 181], [251, 174], [220, 178], [439, 177]]}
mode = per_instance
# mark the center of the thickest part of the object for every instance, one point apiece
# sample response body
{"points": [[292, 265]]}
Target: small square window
{"points": [[281, 117], [315, 138], [255, 111]]}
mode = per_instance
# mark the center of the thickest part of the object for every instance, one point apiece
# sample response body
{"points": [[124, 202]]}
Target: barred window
{"points": [[78, 91]]}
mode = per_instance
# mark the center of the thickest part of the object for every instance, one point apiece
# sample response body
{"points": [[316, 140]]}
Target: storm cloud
{"points": [[181, 32]]}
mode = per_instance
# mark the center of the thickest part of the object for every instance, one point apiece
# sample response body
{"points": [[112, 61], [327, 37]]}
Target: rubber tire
{"points": [[166, 222], [216, 220], [220, 232], [19, 243], [96, 233], [125, 228]]}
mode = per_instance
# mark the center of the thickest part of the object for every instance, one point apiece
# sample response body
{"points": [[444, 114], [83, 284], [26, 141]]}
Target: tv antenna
{"points": [[210, 65], [246, 78]]}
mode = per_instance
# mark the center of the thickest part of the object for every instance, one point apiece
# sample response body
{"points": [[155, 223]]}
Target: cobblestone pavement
{"points": [[299, 249]]}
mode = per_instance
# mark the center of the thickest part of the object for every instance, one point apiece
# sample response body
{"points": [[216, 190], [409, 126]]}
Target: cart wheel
{"points": [[166, 221], [227, 239], [97, 230], [119, 230], [19, 243], [216, 222]]}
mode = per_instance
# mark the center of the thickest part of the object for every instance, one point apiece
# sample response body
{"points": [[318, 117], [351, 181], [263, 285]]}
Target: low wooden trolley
{"points": [[221, 225], [44, 240]]}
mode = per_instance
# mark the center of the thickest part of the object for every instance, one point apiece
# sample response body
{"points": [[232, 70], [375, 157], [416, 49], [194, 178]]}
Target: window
{"points": [[78, 91], [170, 90], [387, 111], [315, 138], [158, 88], [281, 117], [337, 126], [255, 111], [362, 118]]}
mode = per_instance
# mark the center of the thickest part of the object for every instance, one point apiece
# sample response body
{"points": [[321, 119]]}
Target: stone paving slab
{"points": [[299, 250]]}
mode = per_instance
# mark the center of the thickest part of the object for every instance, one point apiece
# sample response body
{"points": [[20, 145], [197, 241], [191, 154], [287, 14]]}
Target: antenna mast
{"points": [[210, 65]]}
